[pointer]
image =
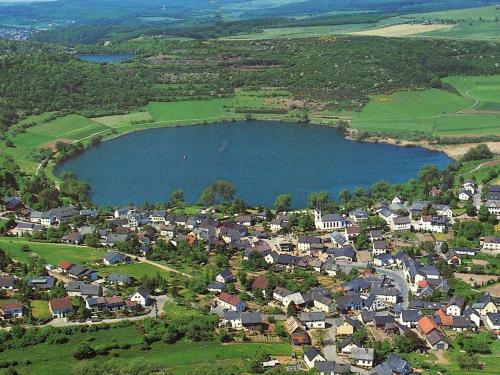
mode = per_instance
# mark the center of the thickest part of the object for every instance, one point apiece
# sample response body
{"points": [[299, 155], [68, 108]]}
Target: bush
{"points": [[84, 351]]}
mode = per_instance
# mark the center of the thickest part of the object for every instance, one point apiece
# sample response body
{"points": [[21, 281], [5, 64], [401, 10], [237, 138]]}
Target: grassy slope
{"points": [[434, 112], [179, 358]]}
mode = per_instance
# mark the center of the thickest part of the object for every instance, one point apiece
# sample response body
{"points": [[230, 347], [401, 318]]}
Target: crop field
{"points": [[436, 112], [397, 31], [178, 358], [52, 253]]}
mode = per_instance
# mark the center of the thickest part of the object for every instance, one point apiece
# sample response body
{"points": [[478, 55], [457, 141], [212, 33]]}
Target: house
{"points": [[279, 294], [216, 287], [329, 221], [426, 324], [260, 284], [462, 323], [332, 368], [118, 279], [348, 302], [492, 321], [437, 224], [393, 365], [493, 207], [397, 200], [73, 238], [12, 204], [60, 307], [470, 186], [313, 320], [324, 303], [158, 217], [453, 259], [443, 320], [385, 322], [464, 251], [293, 325], [312, 356], [474, 316], [343, 254], [435, 191], [112, 303], [41, 282], [26, 228], [362, 357], [113, 257], [81, 272], [491, 243], [358, 215], [417, 208], [64, 266], [379, 247], [279, 223], [296, 298], [455, 306], [400, 223], [373, 303], [465, 195], [225, 277], [305, 242], [493, 192], [7, 282], [383, 260], [437, 340], [386, 294], [12, 310], [300, 339], [347, 326], [81, 289], [348, 344], [169, 231], [247, 320], [338, 239], [485, 305], [409, 317], [443, 210], [142, 297], [230, 302]]}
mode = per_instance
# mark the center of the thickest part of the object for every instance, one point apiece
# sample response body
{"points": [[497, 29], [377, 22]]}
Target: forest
{"points": [[339, 72]]}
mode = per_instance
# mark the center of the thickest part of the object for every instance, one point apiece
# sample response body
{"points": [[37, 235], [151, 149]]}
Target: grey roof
{"points": [[394, 364], [118, 278], [348, 341], [44, 282], [332, 217], [246, 317], [344, 252], [364, 354], [217, 286], [385, 291], [410, 315], [332, 367], [435, 336], [313, 316], [494, 317], [401, 220], [312, 353], [461, 322]]}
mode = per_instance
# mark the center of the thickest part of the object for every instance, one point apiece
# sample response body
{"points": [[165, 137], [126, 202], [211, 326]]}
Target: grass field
{"points": [[137, 270], [40, 309], [436, 112], [488, 13], [402, 30], [51, 252], [479, 175], [191, 110], [179, 358], [120, 120]]}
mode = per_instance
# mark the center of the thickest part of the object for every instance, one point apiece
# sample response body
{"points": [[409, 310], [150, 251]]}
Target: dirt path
{"points": [[441, 358]]}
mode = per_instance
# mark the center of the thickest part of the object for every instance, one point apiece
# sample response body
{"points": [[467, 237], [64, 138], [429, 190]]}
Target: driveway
{"points": [[399, 281]]}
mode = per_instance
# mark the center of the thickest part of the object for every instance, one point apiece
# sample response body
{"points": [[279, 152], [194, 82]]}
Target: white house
{"points": [[141, 296], [455, 306], [400, 223], [465, 195], [311, 356], [491, 243], [493, 207], [362, 357], [313, 320], [470, 186], [492, 321]]}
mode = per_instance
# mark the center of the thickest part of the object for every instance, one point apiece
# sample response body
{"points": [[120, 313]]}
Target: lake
{"points": [[105, 59], [263, 159]]}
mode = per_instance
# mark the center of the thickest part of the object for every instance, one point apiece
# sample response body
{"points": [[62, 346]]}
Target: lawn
{"points": [[479, 175], [52, 253], [191, 110], [120, 120], [40, 309], [180, 358], [491, 361], [137, 270], [436, 112]]}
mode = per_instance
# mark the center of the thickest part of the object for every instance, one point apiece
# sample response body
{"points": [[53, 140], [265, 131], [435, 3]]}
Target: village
{"points": [[346, 281]]}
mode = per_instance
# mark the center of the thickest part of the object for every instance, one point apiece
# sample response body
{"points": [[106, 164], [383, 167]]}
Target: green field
{"points": [[120, 120], [436, 112], [137, 270], [488, 13], [40, 309], [179, 358], [191, 110], [52, 253], [480, 175]]}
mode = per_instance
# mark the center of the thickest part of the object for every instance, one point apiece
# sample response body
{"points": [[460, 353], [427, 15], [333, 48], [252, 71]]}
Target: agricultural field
{"points": [[52, 253], [178, 358], [191, 110], [403, 30], [436, 112]]}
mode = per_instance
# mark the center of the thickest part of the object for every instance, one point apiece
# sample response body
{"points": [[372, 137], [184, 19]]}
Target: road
{"points": [[476, 200], [155, 310], [399, 280]]}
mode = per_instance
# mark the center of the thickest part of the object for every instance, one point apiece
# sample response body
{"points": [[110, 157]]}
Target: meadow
{"points": [[178, 358], [52, 253], [436, 112]]}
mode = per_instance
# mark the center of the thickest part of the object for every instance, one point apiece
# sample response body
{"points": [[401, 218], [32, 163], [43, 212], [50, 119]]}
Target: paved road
{"points": [[155, 310], [330, 350], [399, 280], [476, 201]]}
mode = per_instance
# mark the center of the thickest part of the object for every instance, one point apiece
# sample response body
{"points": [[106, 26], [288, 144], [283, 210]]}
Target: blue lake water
{"points": [[263, 159], [105, 59]]}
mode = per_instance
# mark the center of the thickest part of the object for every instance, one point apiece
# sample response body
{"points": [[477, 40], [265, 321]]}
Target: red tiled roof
{"points": [[353, 230], [259, 283], [422, 283], [446, 320], [63, 303], [230, 299], [426, 324], [11, 306], [65, 265], [190, 239]]}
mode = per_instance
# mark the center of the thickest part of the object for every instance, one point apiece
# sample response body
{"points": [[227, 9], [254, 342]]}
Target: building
{"points": [[492, 321], [41, 282], [332, 368], [393, 365], [312, 356], [230, 302], [225, 277], [113, 257], [329, 221], [7, 282], [313, 320], [491, 243], [142, 297], [437, 340], [243, 320], [455, 306], [12, 310], [362, 357], [60, 307], [465, 195]]}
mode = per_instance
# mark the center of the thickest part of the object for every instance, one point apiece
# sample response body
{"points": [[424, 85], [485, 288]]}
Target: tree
{"points": [[207, 197], [292, 309], [84, 351], [176, 198], [480, 152], [469, 362], [362, 242], [483, 214], [444, 247], [318, 200], [408, 342], [283, 202]]}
